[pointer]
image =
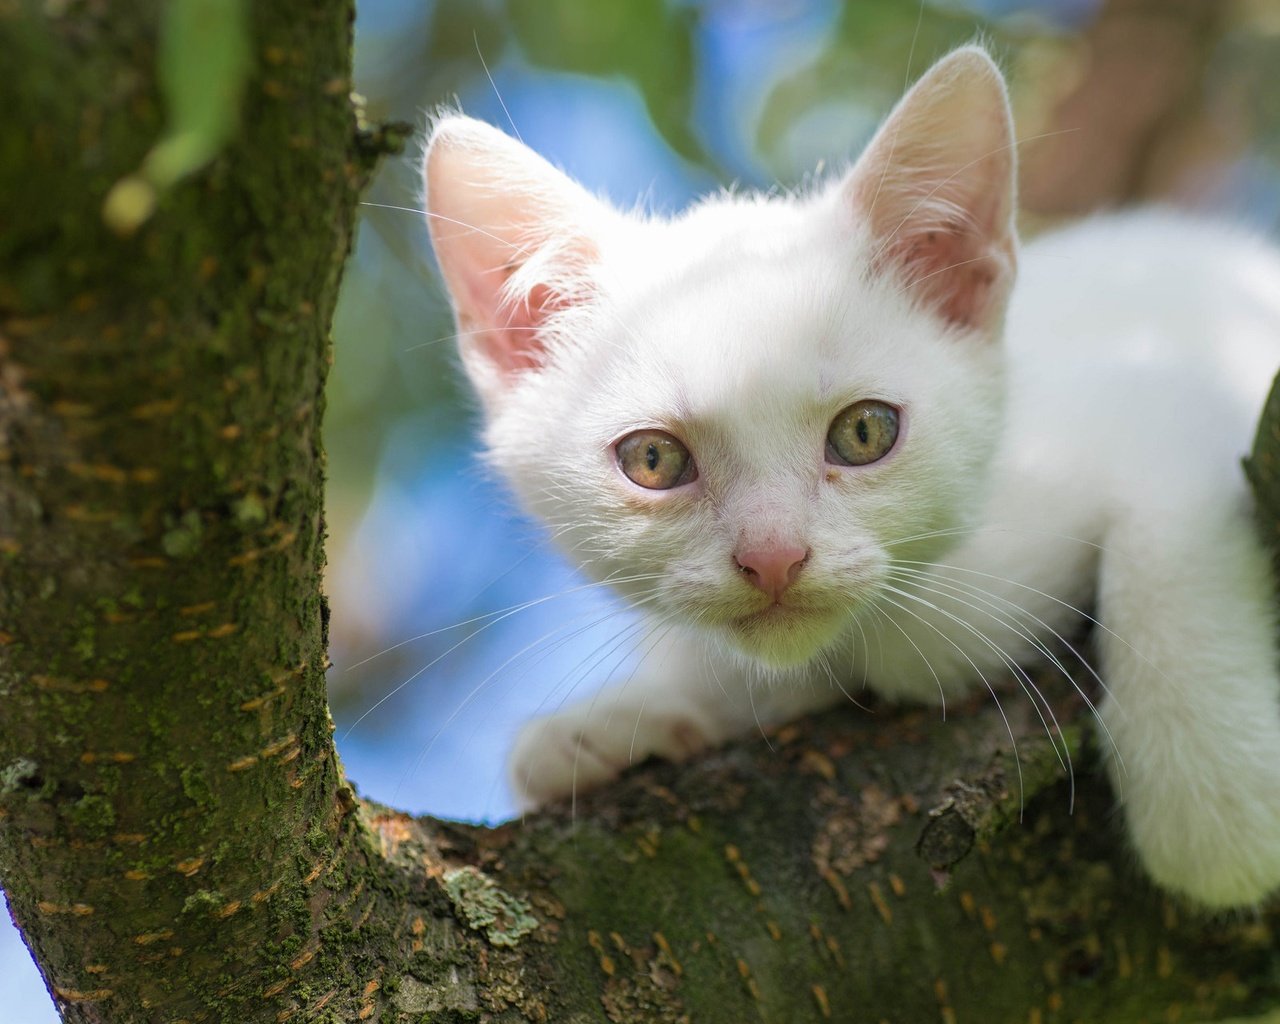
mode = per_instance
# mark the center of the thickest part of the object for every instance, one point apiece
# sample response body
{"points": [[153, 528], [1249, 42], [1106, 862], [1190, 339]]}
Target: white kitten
{"points": [[823, 430]]}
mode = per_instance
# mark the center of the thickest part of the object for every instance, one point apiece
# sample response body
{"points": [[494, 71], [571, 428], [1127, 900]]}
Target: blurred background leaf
{"points": [[646, 41], [202, 64], [850, 85]]}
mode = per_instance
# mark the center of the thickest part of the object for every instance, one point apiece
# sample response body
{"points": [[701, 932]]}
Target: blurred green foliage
{"points": [[646, 41], [856, 63]]}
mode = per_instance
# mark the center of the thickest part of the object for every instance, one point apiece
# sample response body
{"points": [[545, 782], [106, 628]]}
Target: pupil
{"points": [[861, 431], [651, 457]]}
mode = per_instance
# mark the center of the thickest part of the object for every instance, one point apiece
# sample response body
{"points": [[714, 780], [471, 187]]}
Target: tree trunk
{"points": [[172, 817], [176, 839]]}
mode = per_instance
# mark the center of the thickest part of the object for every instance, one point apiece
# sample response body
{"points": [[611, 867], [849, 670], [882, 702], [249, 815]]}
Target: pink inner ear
{"points": [[950, 269], [936, 186], [507, 334], [500, 216]]}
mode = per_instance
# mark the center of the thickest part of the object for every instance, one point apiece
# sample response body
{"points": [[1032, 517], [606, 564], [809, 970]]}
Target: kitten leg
{"points": [[1189, 654], [684, 699]]}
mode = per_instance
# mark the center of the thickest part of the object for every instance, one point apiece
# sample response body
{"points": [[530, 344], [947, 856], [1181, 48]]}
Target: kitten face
{"points": [[738, 333], [747, 361]]}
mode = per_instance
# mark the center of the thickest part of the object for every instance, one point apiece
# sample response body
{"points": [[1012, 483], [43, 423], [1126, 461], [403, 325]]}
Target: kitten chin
{"points": [[784, 638]]}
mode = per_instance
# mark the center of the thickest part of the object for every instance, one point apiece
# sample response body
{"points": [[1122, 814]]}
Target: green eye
{"points": [[863, 433], [655, 460]]}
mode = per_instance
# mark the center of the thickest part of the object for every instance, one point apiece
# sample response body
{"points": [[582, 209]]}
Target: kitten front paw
{"points": [[589, 744], [1218, 849]]}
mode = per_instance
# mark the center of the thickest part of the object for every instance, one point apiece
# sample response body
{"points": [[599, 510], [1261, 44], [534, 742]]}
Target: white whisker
{"points": [[475, 36], [495, 617], [1017, 759], [1027, 685], [1048, 597], [987, 598]]}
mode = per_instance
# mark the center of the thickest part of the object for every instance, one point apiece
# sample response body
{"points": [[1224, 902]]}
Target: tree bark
{"points": [[177, 842], [172, 817]]}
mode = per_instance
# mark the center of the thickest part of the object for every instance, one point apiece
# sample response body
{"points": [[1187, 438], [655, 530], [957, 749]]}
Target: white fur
{"points": [[1093, 457]]}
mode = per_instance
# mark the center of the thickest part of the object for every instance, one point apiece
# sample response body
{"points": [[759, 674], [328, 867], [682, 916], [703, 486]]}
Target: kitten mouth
{"points": [[769, 615], [783, 635], [773, 616]]}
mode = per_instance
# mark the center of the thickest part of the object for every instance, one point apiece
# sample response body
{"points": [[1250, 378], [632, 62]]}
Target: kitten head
{"points": [[744, 415]]}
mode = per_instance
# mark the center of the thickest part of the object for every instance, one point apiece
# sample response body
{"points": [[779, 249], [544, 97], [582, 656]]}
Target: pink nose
{"points": [[771, 569]]}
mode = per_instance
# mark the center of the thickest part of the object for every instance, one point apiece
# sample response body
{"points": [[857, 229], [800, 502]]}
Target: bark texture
{"points": [[171, 810], [176, 839]]}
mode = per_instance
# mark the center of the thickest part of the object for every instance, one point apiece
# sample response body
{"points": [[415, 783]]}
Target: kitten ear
{"points": [[513, 238], [936, 186]]}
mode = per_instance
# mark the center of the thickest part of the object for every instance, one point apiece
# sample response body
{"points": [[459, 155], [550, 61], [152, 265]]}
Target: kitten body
{"points": [[1071, 442]]}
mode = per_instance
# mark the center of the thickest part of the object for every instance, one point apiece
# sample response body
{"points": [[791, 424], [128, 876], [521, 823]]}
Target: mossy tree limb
{"points": [[176, 839], [790, 886]]}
